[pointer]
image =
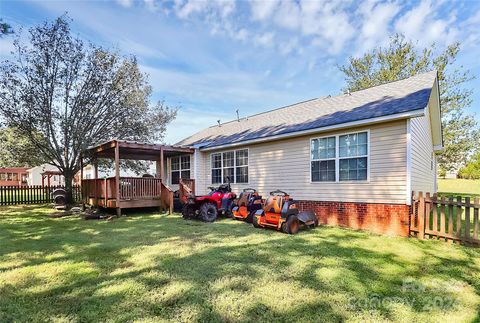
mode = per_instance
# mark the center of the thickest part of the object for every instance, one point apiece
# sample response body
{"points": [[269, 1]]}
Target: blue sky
{"points": [[213, 57]]}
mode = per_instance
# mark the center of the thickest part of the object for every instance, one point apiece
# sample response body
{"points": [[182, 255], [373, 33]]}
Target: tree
{"points": [[17, 150], [472, 169], [5, 29], [64, 96], [401, 59]]}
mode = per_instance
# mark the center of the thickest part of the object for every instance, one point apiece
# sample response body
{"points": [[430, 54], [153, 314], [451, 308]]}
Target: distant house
{"points": [[354, 158], [45, 175], [13, 176]]}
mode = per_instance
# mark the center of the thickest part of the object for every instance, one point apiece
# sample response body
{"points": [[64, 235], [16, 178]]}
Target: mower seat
{"points": [[243, 200], [274, 204]]}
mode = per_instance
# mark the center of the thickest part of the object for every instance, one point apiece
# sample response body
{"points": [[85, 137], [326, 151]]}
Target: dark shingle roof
{"points": [[391, 98]]}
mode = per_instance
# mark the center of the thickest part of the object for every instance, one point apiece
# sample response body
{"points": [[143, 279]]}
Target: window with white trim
{"points": [[323, 155], [232, 164], [346, 153], [180, 166], [353, 155]]}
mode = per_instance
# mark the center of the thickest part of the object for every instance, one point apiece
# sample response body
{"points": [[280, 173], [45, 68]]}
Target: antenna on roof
{"points": [[238, 116], [218, 121]]}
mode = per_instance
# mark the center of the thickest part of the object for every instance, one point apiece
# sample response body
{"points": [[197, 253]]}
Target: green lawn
{"points": [[465, 187], [153, 267]]}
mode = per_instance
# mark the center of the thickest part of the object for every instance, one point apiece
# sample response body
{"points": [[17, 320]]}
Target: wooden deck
{"points": [[134, 192]]}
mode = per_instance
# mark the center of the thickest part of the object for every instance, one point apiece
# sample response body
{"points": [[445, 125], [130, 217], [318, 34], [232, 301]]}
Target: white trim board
{"points": [[408, 189], [393, 117]]}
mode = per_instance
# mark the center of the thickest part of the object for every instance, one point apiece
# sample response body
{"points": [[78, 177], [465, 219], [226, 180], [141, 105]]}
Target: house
{"points": [[354, 158], [45, 175], [13, 176]]}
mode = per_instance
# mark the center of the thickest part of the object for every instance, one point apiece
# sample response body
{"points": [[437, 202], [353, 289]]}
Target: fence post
{"points": [[421, 216], [467, 218]]}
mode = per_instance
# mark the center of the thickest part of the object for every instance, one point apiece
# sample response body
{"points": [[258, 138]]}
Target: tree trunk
{"points": [[69, 186]]}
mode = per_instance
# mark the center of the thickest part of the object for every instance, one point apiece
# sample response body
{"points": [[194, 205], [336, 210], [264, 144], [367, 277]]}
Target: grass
{"points": [[462, 187], [152, 267]]}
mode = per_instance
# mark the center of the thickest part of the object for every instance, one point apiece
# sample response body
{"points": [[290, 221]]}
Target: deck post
{"points": [[80, 182], [95, 176], [117, 178], [161, 175]]}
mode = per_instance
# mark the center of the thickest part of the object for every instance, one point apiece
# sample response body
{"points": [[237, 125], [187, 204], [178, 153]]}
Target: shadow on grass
{"points": [[160, 267]]}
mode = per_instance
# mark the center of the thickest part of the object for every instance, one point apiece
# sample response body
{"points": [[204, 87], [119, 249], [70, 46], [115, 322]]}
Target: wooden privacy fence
{"points": [[446, 218], [35, 194]]}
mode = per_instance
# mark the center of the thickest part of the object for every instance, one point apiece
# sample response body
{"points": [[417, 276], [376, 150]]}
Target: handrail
{"points": [[186, 189], [167, 198]]}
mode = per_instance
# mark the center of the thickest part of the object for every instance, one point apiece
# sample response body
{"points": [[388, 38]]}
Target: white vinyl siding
{"points": [[285, 164], [423, 163]]}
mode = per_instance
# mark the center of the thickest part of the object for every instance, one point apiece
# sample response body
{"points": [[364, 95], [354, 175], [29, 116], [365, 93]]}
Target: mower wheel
{"points": [[292, 225], [208, 212], [188, 212], [255, 221], [250, 217]]}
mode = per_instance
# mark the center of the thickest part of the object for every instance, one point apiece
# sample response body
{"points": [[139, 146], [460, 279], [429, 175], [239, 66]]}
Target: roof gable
{"points": [[387, 99]]}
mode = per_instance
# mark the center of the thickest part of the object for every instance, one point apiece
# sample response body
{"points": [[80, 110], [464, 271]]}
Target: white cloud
{"points": [[288, 15], [151, 5], [376, 21], [420, 24], [292, 45], [264, 40], [327, 23], [262, 9], [218, 8], [125, 3]]}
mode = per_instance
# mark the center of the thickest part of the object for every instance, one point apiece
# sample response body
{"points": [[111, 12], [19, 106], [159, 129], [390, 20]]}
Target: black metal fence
{"points": [[35, 194]]}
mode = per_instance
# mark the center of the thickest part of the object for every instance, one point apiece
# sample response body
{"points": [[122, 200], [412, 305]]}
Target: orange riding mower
{"points": [[280, 212], [246, 205]]}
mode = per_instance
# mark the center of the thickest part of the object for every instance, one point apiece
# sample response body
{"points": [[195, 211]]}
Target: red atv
{"points": [[207, 207]]}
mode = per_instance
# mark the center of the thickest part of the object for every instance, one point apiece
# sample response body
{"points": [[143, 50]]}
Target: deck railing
{"points": [[131, 188], [140, 188], [103, 191]]}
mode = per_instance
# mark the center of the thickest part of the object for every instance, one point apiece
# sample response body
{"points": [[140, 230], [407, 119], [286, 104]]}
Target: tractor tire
{"points": [[228, 212], [208, 212], [188, 212], [255, 222], [250, 216], [292, 225]]}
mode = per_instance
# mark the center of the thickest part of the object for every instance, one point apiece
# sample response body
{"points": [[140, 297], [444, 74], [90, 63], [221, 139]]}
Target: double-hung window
{"points": [[230, 164], [180, 168], [323, 153], [340, 158], [353, 154]]}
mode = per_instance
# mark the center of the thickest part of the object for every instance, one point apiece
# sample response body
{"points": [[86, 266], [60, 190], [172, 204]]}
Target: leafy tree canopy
{"points": [[63, 95], [5, 29], [402, 59], [17, 150], [472, 169]]}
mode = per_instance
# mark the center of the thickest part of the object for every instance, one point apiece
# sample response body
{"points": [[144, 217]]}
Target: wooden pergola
{"points": [[129, 192], [47, 175]]}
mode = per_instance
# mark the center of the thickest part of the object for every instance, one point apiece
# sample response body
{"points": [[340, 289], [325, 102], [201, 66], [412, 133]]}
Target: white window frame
{"points": [[234, 180], [337, 157], [180, 169], [324, 159]]}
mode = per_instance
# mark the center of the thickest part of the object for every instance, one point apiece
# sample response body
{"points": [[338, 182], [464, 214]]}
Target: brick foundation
{"points": [[389, 219]]}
